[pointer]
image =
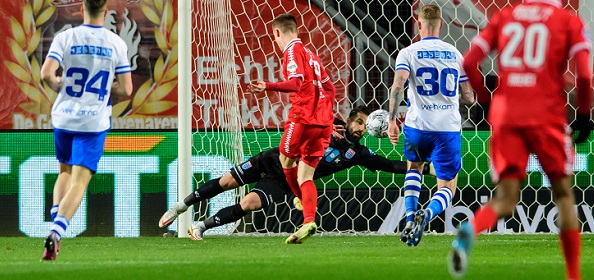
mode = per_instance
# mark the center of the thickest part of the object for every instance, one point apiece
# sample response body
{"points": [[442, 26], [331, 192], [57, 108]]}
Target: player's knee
{"points": [[561, 192], [227, 182], [251, 202], [311, 160]]}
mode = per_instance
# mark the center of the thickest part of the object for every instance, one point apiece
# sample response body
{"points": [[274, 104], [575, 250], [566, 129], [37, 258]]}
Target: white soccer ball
{"points": [[377, 123]]}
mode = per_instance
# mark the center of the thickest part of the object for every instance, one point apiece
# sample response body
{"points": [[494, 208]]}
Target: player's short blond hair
{"points": [[286, 23], [431, 14]]}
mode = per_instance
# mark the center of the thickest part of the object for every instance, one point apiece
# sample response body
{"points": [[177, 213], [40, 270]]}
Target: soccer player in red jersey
{"points": [[309, 124], [528, 115]]}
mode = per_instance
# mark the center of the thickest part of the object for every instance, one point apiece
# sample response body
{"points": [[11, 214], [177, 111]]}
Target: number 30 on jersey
{"points": [[444, 81]]}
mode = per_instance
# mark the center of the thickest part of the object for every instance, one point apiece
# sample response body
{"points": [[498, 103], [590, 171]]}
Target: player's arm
{"points": [[472, 59], [376, 162], [48, 74], [122, 85], [290, 85], [123, 73], [466, 94], [580, 51], [583, 81], [583, 122], [396, 97], [480, 47]]}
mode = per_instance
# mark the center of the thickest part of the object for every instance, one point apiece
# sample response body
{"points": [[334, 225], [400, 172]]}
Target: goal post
{"points": [[184, 88], [209, 144]]}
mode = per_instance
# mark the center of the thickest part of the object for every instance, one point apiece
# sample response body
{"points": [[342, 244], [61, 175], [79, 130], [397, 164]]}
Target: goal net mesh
{"points": [[358, 42]]}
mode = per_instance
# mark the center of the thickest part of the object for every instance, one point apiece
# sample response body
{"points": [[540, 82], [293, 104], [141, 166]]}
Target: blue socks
{"points": [[54, 212], [60, 225], [439, 202], [412, 189]]}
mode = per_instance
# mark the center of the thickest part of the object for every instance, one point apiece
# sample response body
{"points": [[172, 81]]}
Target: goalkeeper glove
{"points": [[583, 125]]}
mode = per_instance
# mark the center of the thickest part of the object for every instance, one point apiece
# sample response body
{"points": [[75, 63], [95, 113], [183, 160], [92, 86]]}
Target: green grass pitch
{"points": [[267, 257]]}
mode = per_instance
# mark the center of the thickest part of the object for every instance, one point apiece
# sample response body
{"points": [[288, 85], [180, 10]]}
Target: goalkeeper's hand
{"points": [[583, 126]]}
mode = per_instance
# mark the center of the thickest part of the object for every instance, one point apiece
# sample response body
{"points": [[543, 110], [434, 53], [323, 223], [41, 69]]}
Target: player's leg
{"points": [[441, 200], [229, 214], [86, 150], [289, 150], [60, 188], [314, 142], [447, 162], [509, 157], [264, 193], [247, 172], [555, 153], [569, 226], [208, 190], [412, 190], [309, 201], [415, 155], [63, 146]]}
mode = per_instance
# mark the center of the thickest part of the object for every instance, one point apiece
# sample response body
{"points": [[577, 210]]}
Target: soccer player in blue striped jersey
{"points": [[432, 124], [91, 57]]}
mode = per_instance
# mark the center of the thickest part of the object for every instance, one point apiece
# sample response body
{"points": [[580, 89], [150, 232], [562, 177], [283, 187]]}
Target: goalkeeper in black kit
{"points": [[265, 170]]}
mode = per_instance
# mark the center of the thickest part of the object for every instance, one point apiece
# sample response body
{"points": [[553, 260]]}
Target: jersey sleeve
{"points": [[579, 37], [295, 59], [122, 64], [487, 38], [324, 78], [463, 78], [56, 50], [402, 60]]}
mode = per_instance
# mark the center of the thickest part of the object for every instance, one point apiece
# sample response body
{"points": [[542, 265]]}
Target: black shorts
{"points": [[265, 170], [271, 190]]}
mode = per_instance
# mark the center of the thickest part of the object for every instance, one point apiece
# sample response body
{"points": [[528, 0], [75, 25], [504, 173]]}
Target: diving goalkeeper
{"points": [[265, 170]]}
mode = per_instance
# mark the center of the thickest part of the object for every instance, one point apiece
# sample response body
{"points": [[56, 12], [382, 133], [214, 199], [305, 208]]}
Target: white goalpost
{"points": [[224, 45], [184, 88]]}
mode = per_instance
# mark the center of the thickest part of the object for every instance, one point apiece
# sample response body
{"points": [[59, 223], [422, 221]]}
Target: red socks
{"points": [[571, 243], [291, 175], [484, 219], [309, 201]]}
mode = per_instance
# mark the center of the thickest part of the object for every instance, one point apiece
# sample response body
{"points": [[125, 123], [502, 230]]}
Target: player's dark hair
{"points": [[359, 109], [286, 23], [94, 7]]}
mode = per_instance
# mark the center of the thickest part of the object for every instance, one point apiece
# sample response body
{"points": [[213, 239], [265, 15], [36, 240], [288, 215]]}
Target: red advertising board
{"points": [[149, 28]]}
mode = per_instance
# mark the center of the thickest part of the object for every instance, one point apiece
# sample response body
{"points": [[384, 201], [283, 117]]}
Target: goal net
{"points": [[358, 42]]}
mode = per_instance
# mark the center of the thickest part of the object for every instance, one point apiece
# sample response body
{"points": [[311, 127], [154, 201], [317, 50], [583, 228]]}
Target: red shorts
{"points": [[309, 142], [511, 146]]}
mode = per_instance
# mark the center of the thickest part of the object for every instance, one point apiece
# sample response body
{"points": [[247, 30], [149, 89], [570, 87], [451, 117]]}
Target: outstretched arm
{"points": [[396, 96], [291, 85], [377, 162]]}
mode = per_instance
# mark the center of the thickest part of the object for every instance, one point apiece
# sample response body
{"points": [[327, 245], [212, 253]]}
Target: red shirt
{"points": [[534, 41], [311, 104]]}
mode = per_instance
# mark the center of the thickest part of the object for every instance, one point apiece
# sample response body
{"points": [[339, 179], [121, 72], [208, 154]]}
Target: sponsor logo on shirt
{"points": [[331, 154], [437, 54], [432, 107], [91, 50], [292, 67]]}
